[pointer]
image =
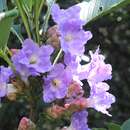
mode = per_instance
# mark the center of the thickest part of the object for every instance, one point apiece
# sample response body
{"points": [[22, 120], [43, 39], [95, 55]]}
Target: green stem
{"points": [[57, 57], [45, 25], [38, 9], [17, 35], [24, 17], [8, 51], [6, 58]]}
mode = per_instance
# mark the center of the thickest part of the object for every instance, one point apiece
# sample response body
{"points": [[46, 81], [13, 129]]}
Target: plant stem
{"points": [[57, 57], [17, 35], [6, 58], [32, 110], [38, 8], [24, 17], [45, 25]]}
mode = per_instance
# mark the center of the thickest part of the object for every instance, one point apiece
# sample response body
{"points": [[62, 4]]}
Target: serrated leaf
{"points": [[113, 126], [91, 9], [3, 5], [126, 125]]}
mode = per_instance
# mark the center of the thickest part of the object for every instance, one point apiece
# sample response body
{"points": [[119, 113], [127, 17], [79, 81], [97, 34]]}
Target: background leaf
{"points": [[126, 125], [91, 9], [49, 4], [28, 4], [3, 5], [5, 26], [113, 126], [98, 129]]}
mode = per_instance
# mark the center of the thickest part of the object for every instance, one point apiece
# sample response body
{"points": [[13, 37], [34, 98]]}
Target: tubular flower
{"points": [[79, 121], [32, 58], [72, 36], [99, 71], [99, 98], [56, 84]]}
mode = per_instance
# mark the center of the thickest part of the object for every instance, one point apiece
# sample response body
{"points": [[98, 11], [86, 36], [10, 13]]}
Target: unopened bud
{"points": [[56, 111], [76, 105], [11, 92], [75, 90], [53, 37], [14, 51], [26, 124]]}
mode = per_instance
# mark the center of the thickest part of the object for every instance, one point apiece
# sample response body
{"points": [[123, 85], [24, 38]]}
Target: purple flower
{"points": [[56, 84], [100, 99], [73, 37], [32, 58], [25, 72], [5, 74], [61, 15], [73, 65], [72, 62], [79, 121], [99, 71], [3, 89]]}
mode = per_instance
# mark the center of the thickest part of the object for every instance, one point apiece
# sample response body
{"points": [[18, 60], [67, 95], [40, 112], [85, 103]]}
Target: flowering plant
{"points": [[50, 63]]}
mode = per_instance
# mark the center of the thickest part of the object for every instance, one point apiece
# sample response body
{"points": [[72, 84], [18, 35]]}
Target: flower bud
{"points": [[76, 105], [75, 90], [53, 37], [26, 124], [56, 111], [11, 92], [14, 51]]}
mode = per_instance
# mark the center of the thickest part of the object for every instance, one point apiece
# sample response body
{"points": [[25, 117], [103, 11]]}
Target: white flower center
{"points": [[68, 37], [56, 83], [33, 59]]}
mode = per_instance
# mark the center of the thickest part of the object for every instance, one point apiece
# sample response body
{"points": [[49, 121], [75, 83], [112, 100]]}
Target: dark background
{"points": [[112, 33]]}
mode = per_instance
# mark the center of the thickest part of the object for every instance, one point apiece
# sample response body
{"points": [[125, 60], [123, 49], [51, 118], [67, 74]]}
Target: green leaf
{"points": [[92, 9], [5, 25], [126, 125], [28, 4], [113, 126], [98, 129], [3, 5]]}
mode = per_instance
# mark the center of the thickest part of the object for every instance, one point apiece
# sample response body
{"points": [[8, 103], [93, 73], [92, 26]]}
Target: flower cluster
{"points": [[62, 81]]}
